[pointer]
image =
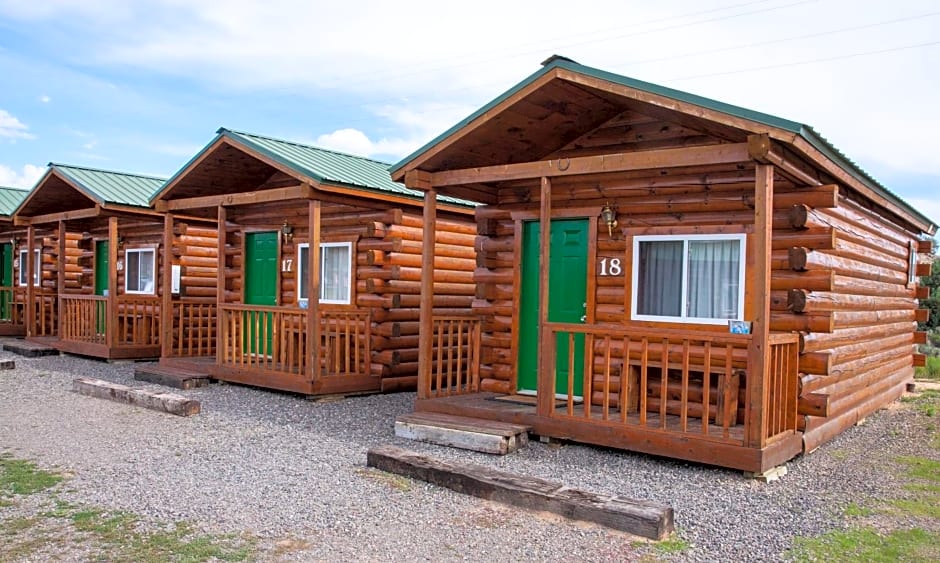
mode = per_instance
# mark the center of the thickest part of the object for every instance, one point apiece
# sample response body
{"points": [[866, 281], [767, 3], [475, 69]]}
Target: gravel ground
{"points": [[292, 472]]}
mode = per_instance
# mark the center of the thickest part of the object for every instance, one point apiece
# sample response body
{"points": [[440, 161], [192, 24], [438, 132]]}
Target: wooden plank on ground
{"points": [[170, 377], [646, 519], [29, 349], [487, 436], [164, 402]]}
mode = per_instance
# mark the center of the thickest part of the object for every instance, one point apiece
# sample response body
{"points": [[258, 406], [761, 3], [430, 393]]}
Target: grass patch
{"points": [[856, 511], [921, 507], [672, 545], [396, 482], [922, 468], [866, 544], [19, 477], [931, 370]]}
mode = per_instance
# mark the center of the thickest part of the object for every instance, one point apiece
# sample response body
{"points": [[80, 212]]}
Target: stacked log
{"points": [[195, 250], [855, 309]]}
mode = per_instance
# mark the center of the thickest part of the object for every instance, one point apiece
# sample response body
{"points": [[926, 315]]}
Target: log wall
{"points": [[387, 269]]}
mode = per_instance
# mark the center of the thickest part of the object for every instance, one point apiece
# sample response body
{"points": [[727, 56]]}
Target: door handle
{"points": [[583, 318]]}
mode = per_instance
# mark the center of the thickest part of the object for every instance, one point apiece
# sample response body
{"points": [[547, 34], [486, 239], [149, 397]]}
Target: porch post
{"points": [[758, 360], [60, 278], [221, 261], [545, 388], [426, 318], [313, 289], [166, 307], [31, 309], [112, 326]]}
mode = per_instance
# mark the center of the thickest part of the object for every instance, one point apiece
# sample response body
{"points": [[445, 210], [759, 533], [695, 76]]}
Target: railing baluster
{"points": [[606, 402], [644, 366], [587, 410], [706, 387], [684, 406], [663, 382]]}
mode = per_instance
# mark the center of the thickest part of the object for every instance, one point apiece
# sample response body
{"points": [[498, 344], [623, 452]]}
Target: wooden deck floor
{"points": [[719, 446]]}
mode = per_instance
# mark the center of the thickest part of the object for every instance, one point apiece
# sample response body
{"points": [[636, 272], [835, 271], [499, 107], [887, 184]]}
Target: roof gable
{"points": [[512, 127], [66, 188], [215, 171]]}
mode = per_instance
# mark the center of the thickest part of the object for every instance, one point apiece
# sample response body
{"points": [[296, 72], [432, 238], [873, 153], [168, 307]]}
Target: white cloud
{"points": [[25, 178], [13, 128], [45, 98]]}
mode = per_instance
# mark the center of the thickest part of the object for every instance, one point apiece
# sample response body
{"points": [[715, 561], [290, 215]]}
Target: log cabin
{"points": [[96, 242], [665, 273], [12, 294], [275, 200]]}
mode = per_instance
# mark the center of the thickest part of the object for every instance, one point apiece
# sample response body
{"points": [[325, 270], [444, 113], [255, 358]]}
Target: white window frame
{"points": [[153, 261], [635, 274], [912, 264], [37, 267], [302, 275]]}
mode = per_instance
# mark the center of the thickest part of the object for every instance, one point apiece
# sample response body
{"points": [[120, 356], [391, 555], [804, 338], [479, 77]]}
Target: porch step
{"points": [[171, 376], [477, 434], [29, 349]]}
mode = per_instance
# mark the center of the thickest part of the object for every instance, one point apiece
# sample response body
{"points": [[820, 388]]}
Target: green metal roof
{"points": [[10, 199], [105, 186], [322, 165], [805, 131]]}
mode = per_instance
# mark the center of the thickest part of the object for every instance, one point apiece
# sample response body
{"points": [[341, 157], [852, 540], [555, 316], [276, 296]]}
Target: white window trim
{"points": [[686, 238], [37, 268], [301, 275], [153, 260]]}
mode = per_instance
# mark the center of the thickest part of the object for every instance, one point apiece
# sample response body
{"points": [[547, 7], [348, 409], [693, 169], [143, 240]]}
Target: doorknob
{"points": [[583, 318]]}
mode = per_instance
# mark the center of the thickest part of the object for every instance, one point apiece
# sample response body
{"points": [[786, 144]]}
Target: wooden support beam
{"points": [[731, 153], [639, 518], [166, 309], [220, 282], [61, 216], [164, 402], [313, 288], [759, 350], [30, 286], [763, 150], [112, 326], [545, 385], [301, 191], [426, 318]]}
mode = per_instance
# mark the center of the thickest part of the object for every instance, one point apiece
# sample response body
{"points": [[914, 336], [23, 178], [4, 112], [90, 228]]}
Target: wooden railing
{"points": [[668, 380], [47, 312], [345, 342], [84, 318], [12, 301], [274, 339], [138, 318], [781, 395], [455, 368], [194, 329], [269, 339]]}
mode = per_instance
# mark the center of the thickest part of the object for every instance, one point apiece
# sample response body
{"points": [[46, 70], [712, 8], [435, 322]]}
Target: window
{"points": [[37, 265], [335, 272], [695, 278], [139, 270]]}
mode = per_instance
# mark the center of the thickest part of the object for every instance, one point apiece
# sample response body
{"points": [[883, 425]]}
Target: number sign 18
{"points": [[611, 267]]}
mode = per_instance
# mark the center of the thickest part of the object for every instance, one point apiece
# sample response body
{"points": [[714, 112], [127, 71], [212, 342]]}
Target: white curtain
{"points": [[659, 282], [714, 275], [336, 276]]}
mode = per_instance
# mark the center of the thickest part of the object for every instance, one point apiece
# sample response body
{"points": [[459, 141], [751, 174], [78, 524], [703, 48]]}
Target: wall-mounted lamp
{"points": [[609, 216], [287, 231], [14, 241]]}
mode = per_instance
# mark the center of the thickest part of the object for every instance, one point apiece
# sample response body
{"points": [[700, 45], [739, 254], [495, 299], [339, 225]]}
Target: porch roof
{"points": [[323, 166], [10, 199], [600, 96]]}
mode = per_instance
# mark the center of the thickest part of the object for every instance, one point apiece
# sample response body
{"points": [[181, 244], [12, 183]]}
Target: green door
{"points": [[101, 285], [6, 280], [260, 287], [567, 298]]}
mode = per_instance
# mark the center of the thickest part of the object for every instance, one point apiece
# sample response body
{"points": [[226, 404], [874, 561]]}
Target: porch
{"points": [[270, 347], [664, 392], [119, 327], [12, 311]]}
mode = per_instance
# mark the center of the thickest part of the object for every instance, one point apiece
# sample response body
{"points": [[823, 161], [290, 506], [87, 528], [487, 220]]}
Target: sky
{"points": [[142, 86]]}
